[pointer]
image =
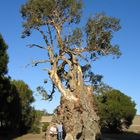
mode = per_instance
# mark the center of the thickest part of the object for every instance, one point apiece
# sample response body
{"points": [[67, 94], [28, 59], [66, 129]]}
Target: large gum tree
{"points": [[71, 48]]}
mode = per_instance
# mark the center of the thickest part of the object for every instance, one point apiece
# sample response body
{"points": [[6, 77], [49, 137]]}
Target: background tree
{"points": [[36, 124], [9, 107], [116, 110], [27, 116], [71, 49], [9, 99], [16, 113], [3, 56]]}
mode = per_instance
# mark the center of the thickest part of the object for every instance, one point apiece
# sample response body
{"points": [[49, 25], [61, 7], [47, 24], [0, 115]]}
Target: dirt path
{"points": [[127, 136], [32, 137], [26, 137]]}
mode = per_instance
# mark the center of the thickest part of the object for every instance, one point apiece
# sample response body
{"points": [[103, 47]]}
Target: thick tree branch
{"points": [[58, 31], [65, 92], [50, 35], [63, 58], [51, 54]]}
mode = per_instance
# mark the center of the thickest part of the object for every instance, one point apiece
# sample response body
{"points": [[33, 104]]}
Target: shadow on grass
{"points": [[122, 136]]}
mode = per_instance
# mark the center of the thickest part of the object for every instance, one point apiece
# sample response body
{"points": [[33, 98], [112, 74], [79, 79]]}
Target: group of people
{"points": [[58, 130]]}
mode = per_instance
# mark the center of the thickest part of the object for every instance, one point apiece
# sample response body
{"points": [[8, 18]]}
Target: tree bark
{"points": [[77, 107], [79, 117]]}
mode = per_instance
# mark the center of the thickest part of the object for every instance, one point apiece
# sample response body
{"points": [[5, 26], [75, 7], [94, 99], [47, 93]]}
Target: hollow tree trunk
{"points": [[79, 117]]}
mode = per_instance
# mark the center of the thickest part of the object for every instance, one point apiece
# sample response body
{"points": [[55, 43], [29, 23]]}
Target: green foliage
{"points": [[69, 43], [3, 56], [99, 31], [38, 13], [102, 88], [25, 93], [43, 93], [26, 99], [16, 113], [75, 38], [9, 106], [116, 110], [9, 99], [35, 127], [45, 126]]}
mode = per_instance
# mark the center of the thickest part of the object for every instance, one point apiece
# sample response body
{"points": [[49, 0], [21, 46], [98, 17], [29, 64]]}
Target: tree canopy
{"points": [[3, 57], [27, 116], [71, 46], [16, 113], [9, 106], [116, 110]]}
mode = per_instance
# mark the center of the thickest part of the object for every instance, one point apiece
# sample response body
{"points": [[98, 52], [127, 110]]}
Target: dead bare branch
{"points": [[36, 45], [36, 62]]}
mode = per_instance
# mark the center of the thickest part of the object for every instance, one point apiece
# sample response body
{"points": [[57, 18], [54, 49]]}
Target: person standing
{"points": [[60, 131]]}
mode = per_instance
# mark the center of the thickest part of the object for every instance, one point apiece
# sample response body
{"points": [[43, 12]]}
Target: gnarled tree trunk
{"points": [[79, 117], [76, 110]]}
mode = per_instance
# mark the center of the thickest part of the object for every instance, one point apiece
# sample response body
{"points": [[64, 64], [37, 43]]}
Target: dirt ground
{"points": [[26, 137], [124, 136], [31, 137]]}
